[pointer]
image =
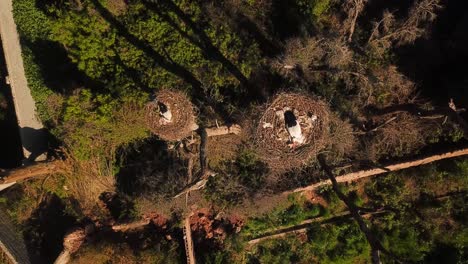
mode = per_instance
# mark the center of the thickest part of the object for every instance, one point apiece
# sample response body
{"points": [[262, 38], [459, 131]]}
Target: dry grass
{"points": [[222, 148], [86, 180]]}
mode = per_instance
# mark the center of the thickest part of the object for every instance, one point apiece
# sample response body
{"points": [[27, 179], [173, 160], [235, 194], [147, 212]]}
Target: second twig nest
{"points": [[171, 116]]}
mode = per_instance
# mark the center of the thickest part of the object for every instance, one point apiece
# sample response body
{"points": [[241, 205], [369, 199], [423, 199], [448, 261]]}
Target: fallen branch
{"points": [[354, 176], [38, 169], [223, 130], [130, 226]]}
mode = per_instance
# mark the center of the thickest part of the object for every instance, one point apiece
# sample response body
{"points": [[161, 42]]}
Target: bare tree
{"points": [[353, 8], [390, 31]]}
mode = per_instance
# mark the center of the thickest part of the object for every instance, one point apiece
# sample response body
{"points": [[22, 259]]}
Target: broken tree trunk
{"points": [[131, 226], [37, 169], [223, 130], [354, 176]]}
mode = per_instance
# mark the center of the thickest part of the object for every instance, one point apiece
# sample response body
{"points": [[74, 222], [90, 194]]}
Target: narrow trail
{"points": [[354, 176], [31, 129]]}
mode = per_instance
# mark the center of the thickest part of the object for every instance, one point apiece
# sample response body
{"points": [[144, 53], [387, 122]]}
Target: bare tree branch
{"points": [[355, 7]]}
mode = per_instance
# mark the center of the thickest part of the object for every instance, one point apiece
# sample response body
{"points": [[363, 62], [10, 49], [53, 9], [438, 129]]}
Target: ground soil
{"points": [[222, 148]]}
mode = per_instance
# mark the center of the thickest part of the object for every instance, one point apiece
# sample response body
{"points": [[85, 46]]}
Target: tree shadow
{"points": [[150, 169], [120, 207], [159, 59], [434, 61], [287, 20], [45, 230], [246, 25], [35, 142], [199, 37], [58, 72]]}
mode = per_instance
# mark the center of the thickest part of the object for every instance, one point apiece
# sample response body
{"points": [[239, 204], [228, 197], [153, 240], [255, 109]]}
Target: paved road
{"points": [[31, 130]]}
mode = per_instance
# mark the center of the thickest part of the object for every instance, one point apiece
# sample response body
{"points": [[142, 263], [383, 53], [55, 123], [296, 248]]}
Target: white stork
{"points": [[165, 112], [293, 127]]}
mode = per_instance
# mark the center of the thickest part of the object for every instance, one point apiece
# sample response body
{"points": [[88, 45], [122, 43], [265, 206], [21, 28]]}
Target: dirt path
{"points": [[354, 176], [31, 129]]}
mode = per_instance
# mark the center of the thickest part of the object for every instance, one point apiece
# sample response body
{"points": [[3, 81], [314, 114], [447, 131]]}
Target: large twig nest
{"points": [[179, 123], [273, 141]]}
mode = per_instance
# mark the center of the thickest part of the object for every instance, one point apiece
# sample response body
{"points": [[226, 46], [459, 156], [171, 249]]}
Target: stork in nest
{"points": [[165, 113], [294, 129]]}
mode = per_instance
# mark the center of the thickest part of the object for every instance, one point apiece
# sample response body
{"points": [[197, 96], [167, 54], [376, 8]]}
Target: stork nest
{"points": [[183, 116], [272, 139]]}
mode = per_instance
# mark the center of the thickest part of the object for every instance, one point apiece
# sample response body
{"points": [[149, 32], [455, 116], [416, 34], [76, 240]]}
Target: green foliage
{"points": [[407, 242], [338, 243], [416, 230], [103, 251], [383, 191], [294, 213], [131, 50], [32, 23], [89, 41], [96, 125], [277, 252], [315, 8], [334, 204], [239, 179], [342, 243]]}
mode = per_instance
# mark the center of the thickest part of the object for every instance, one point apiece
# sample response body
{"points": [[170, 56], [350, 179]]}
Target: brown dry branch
{"points": [[389, 30], [271, 135], [353, 8], [131, 226], [183, 116], [404, 134], [34, 170], [223, 130], [357, 175]]}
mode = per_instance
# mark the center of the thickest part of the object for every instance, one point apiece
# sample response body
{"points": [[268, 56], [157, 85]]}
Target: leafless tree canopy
{"points": [[389, 30]]}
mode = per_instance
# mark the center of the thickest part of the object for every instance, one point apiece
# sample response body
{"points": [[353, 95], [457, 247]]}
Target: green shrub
{"points": [[294, 213], [238, 180]]}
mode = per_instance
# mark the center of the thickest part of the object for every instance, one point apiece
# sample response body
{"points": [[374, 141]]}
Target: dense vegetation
{"points": [[92, 66], [423, 219]]}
